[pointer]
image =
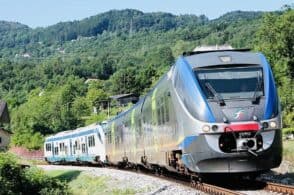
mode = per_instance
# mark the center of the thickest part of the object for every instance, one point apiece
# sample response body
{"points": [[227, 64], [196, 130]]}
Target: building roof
{"points": [[120, 96], [4, 114], [5, 131], [91, 80]]}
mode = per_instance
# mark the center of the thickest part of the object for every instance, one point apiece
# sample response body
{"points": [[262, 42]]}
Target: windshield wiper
{"points": [[219, 99], [256, 97]]}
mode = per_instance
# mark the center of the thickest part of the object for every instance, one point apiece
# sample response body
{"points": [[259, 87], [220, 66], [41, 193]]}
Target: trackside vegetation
{"points": [[17, 180]]}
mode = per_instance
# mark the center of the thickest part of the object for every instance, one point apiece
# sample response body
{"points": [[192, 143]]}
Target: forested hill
{"points": [[43, 70], [120, 22], [125, 21]]}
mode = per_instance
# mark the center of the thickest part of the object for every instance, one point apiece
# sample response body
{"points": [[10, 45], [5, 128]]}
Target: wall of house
{"points": [[4, 139]]}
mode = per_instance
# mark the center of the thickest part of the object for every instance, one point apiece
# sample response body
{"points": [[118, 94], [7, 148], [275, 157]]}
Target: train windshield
{"points": [[231, 83]]}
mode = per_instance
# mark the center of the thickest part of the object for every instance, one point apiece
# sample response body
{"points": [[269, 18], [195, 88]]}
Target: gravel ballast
{"points": [[119, 179]]}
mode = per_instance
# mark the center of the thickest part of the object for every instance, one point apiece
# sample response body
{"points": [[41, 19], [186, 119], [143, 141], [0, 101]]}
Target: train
{"points": [[81, 145], [214, 111]]}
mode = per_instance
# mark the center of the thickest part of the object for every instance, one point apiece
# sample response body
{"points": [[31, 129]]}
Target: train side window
{"points": [[158, 116], [166, 110], [74, 149], [66, 151], [109, 137], [83, 148], [56, 151], [91, 141], [77, 145], [48, 147], [100, 139], [62, 147]]}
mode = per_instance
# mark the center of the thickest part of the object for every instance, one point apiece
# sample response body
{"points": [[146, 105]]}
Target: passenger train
{"points": [[214, 111]]}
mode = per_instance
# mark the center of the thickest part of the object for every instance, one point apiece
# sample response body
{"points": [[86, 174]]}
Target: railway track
{"points": [[186, 180], [210, 188]]}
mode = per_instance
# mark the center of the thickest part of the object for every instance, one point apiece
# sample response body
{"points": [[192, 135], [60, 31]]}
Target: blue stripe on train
{"points": [[195, 91], [271, 102], [187, 142], [71, 158]]}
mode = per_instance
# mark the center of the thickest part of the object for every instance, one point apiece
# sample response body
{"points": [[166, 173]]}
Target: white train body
{"points": [[85, 144]]}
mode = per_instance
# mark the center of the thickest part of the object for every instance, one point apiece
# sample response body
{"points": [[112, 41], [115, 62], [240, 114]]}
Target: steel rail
{"points": [[279, 188]]}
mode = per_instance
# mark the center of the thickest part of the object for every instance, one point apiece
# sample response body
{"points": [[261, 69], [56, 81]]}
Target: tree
{"points": [[275, 39]]}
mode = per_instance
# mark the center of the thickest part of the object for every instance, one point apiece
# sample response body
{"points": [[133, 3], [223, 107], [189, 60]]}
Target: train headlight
{"points": [[206, 128], [273, 124]]}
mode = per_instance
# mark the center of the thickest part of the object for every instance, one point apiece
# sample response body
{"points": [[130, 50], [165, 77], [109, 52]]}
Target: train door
{"points": [[48, 150], [70, 146], [86, 145]]}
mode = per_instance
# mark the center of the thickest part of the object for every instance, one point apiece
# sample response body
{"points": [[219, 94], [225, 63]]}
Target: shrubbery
{"points": [[17, 180]]}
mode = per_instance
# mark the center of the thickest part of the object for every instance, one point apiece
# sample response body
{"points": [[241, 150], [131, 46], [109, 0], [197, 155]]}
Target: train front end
{"points": [[237, 115]]}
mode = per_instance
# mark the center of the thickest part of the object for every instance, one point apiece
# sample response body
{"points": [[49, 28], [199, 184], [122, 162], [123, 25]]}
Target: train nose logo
{"points": [[239, 115]]}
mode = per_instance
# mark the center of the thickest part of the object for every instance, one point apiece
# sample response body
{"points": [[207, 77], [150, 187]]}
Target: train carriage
{"points": [[213, 112], [85, 144]]}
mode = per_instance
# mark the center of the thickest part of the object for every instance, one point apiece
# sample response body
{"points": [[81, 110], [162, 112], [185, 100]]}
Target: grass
{"points": [[81, 183], [66, 176], [288, 150]]}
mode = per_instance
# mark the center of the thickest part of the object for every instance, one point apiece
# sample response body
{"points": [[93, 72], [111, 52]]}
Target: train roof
{"points": [[71, 132], [200, 59], [140, 102]]}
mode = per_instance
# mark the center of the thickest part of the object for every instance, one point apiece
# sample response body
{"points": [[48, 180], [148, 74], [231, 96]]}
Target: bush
{"points": [[287, 131], [17, 180], [10, 174]]}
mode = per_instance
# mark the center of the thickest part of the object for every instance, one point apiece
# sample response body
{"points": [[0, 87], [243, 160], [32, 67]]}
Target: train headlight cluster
{"points": [[270, 125], [208, 128]]}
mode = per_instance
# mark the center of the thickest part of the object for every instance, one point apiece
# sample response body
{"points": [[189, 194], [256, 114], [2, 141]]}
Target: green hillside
{"points": [[43, 70]]}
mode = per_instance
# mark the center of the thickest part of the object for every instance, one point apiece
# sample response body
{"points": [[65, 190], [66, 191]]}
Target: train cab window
{"points": [[231, 83]]}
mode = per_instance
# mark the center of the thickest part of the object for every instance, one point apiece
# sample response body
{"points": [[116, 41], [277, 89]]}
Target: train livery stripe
{"points": [[196, 92], [270, 90], [187, 141], [70, 158], [242, 127]]}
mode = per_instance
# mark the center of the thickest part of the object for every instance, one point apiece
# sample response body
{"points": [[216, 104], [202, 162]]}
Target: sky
{"points": [[41, 13]]}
